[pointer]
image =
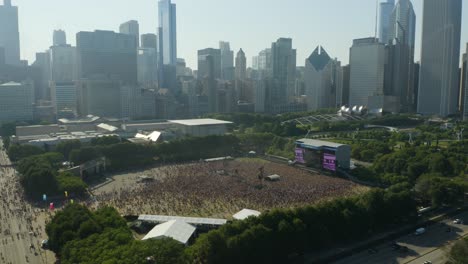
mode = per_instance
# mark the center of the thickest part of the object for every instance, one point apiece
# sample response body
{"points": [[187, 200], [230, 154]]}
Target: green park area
{"points": [[420, 164]]}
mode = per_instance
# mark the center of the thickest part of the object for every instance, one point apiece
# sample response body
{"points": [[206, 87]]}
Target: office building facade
{"points": [[283, 70], [227, 61], [204, 65], [385, 11], [440, 57], [149, 41], [16, 102], [367, 60], [322, 80], [59, 38], [131, 28], [106, 55]]}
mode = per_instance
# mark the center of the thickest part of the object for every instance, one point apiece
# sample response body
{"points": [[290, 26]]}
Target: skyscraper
{"points": [[59, 38], [106, 55], [205, 64], [227, 61], [16, 101], [149, 41], [385, 12], [440, 57], [168, 32], [9, 33], [321, 80], [400, 58], [284, 70], [241, 65], [464, 86], [131, 28], [367, 58]]}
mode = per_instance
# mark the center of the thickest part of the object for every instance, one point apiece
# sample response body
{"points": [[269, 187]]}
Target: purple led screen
{"points": [[300, 155], [329, 162]]}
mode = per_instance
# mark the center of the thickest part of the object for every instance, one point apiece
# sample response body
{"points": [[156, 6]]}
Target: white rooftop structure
{"points": [[245, 213], [153, 136], [188, 220], [200, 122], [107, 127], [319, 143], [176, 229]]}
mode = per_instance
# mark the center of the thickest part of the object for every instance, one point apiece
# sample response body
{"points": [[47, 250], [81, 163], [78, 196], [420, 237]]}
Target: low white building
{"points": [[201, 127]]}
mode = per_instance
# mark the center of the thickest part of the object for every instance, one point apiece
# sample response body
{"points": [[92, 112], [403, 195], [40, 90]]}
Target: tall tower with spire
{"points": [[241, 65]]}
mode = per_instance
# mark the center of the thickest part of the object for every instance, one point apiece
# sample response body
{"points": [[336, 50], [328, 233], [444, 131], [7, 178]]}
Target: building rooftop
{"points": [[245, 213], [176, 229], [319, 143], [107, 127], [10, 84], [200, 122], [189, 220]]}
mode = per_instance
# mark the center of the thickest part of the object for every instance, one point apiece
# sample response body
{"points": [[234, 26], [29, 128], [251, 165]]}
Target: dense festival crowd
{"points": [[221, 188]]}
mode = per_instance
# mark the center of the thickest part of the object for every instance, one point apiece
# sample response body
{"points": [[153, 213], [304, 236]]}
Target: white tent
{"points": [[245, 213], [176, 229]]}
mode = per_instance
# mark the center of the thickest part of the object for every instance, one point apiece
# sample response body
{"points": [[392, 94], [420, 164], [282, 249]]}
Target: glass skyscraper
{"points": [[440, 57], [168, 32]]}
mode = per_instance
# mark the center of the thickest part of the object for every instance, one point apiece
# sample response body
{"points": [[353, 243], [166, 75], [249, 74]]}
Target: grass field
{"points": [[219, 189]]}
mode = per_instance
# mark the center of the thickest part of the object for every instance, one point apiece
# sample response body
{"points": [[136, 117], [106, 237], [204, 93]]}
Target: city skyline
{"points": [[198, 31]]}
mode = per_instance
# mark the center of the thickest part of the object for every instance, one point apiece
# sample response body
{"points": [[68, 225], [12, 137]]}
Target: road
{"points": [[430, 246], [21, 225]]}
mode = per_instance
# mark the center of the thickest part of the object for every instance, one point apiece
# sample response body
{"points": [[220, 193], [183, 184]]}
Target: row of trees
{"points": [[277, 236], [39, 175]]}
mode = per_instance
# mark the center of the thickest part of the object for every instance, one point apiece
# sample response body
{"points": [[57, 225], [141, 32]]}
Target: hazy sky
{"points": [[248, 24]]}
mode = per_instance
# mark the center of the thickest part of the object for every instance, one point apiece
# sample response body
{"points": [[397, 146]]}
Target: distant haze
{"points": [[248, 24]]}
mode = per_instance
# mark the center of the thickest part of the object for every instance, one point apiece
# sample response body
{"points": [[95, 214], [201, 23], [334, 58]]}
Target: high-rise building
{"points": [[464, 86], [241, 65], [204, 65], [106, 55], [167, 32], [367, 59], [131, 28], [59, 37], [62, 63], [105, 98], [265, 64], [41, 86], [399, 78], [345, 82], [322, 80], [2, 56], [385, 12], [440, 57], [64, 99], [149, 41], [227, 61], [9, 33], [147, 65], [284, 70], [16, 102]]}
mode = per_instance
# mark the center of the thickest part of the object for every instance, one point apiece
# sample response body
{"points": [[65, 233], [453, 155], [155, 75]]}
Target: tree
{"points": [[39, 180], [18, 152], [458, 254], [71, 184], [66, 147]]}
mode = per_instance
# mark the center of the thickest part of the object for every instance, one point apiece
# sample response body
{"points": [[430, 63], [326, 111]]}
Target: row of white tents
{"points": [[183, 228]]}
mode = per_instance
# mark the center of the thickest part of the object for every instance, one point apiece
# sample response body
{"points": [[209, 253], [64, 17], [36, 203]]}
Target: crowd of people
{"points": [[20, 231], [221, 188]]}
